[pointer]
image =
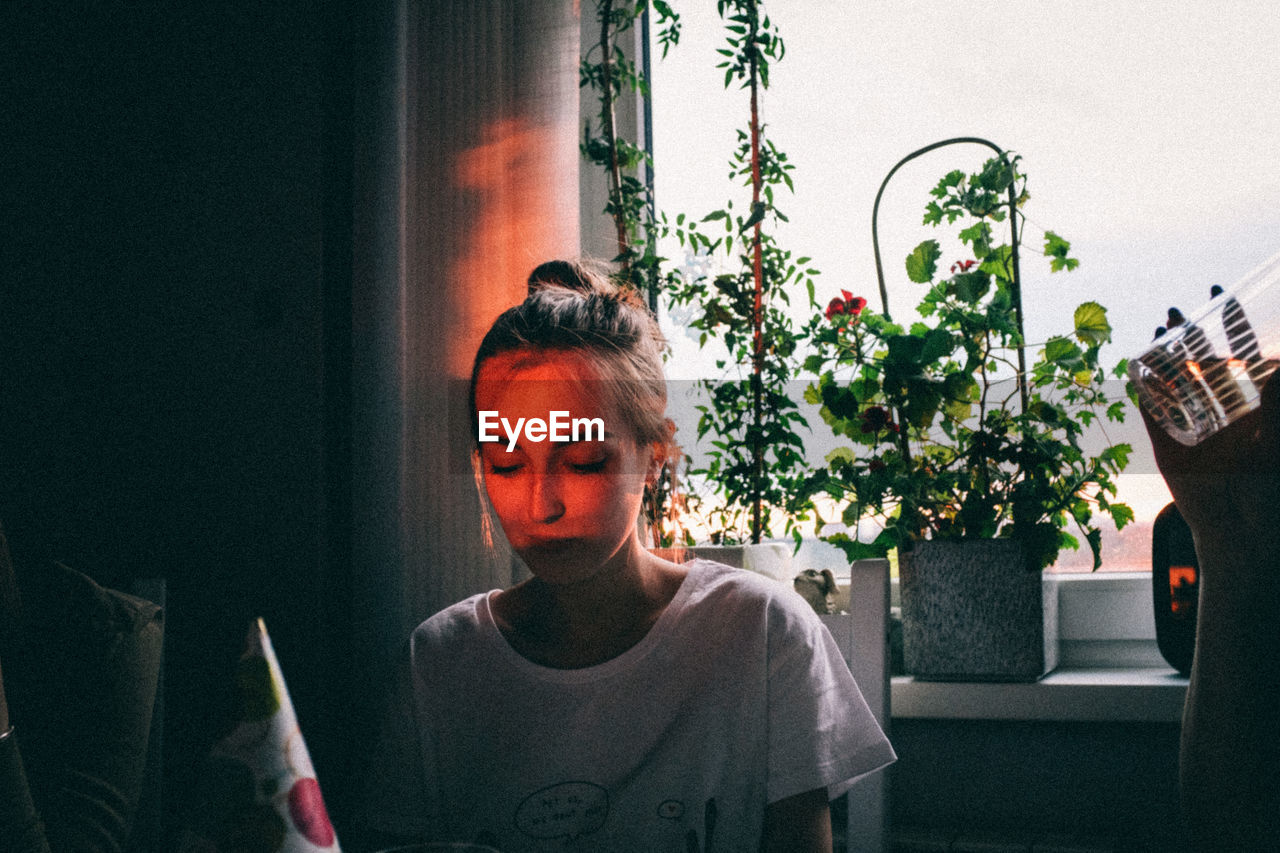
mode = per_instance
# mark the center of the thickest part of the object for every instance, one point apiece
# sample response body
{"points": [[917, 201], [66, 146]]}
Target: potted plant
{"points": [[754, 455], [608, 71], [970, 459]]}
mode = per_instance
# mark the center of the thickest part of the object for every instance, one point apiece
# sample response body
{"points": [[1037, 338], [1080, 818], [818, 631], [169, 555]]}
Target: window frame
{"points": [[1106, 619]]}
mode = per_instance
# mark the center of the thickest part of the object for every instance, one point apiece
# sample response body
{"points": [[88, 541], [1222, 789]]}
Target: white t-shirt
{"points": [[735, 698]]}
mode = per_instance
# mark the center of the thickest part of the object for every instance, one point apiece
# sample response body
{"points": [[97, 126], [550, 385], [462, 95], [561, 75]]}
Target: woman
{"points": [[615, 700], [78, 671]]}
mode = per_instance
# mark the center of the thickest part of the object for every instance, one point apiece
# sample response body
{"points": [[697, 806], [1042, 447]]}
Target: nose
{"points": [[546, 503]]}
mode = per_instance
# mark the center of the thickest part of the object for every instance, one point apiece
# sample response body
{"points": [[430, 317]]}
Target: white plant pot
{"points": [[772, 559]]}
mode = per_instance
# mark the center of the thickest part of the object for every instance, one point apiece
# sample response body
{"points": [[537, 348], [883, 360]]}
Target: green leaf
{"points": [[923, 262], [960, 386], [1063, 355], [958, 410], [1055, 248], [904, 350], [970, 286], [1040, 544], [1122, 514], [937, 344], [997, 173], [979, 235], [1091, 324], [1095, 545], [855, 550], [841, 455], [923, 400], [757, 214], [999, 262], [951, 179], [1058, 349], [1117, 453]]}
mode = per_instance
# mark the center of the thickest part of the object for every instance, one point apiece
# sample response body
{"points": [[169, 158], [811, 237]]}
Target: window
{"points": [[1144, 132]]}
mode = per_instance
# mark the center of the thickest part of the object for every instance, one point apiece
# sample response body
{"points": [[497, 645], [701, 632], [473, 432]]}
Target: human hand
{"points": [[1228, 485]]}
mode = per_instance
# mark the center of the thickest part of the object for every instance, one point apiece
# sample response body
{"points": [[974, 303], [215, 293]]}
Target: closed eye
{"points": [[503, 470], [589, 467]]}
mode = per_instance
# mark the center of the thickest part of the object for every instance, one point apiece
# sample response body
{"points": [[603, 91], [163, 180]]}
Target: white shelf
{"points": [[1147, 694]]}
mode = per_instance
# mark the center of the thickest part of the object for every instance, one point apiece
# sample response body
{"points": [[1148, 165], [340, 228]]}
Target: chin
{"points": [[561, 574], [564, 564]]}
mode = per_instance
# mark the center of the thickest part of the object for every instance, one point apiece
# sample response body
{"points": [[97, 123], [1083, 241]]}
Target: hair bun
{"points": [[576, 276], [587, 279]]}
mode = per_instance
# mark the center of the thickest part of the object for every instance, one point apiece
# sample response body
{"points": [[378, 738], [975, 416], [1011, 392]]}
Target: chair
{"points": [[147, 835], [863, 637]]}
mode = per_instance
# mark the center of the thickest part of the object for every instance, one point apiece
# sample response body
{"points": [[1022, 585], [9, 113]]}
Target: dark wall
{"points": [[1113, 783], [174, 329]]}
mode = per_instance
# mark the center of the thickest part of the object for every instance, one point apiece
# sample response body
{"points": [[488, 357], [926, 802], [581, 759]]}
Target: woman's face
{"points": [[568, 507]]}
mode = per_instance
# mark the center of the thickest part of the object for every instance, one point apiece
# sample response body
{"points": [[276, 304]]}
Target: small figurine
{"points": [[818, 588]]}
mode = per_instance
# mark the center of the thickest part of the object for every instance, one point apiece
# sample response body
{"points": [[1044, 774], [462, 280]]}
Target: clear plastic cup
{"points": [[1206, 372]]}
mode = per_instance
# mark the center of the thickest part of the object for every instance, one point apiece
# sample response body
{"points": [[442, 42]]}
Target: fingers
{"points": [[1170, 454]]}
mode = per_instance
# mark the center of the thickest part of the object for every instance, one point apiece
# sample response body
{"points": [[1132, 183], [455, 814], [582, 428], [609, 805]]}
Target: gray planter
{"points": [[971, 611]]}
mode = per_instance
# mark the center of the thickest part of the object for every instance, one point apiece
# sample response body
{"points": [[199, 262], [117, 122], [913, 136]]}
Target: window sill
{"points": [[1068, 694]]}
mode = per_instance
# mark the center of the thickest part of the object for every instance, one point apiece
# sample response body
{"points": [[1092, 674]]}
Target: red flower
{"points": [[877, 418], [876, 465], [845, 305], [962, 266]]}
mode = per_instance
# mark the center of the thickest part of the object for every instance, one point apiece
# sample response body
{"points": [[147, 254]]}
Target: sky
{"points": [[1148, 130]]}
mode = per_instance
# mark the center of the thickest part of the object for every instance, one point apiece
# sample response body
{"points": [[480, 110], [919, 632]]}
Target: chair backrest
{"points": [[863, 637], [147, 834]]}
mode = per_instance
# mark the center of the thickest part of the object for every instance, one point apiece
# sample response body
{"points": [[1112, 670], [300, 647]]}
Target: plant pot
{"points": [[972, 611]]}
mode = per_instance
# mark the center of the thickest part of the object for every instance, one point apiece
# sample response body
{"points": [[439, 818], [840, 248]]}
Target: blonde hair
{"points": [[574, 307]]}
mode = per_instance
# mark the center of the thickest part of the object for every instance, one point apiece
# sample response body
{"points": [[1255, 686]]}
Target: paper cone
{"points": [[260, 793]]}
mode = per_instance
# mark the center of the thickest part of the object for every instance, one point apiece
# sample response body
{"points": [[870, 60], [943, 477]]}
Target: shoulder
{"points": [[458, 625], [720, 583], [752, 597]]}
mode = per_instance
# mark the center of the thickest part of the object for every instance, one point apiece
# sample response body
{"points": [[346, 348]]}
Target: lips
{"points": [[550, 546]]}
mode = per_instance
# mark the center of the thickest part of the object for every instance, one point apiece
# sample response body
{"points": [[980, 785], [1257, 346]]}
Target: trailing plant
{"points": [[607, 70], [948, 436], [756, 457]]}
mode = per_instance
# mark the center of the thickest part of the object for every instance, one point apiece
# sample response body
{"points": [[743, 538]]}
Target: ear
{"points": [[657, 458]]}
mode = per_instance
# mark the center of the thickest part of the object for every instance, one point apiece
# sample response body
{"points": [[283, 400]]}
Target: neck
{"points": [[626, 578], [594, 620]]}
